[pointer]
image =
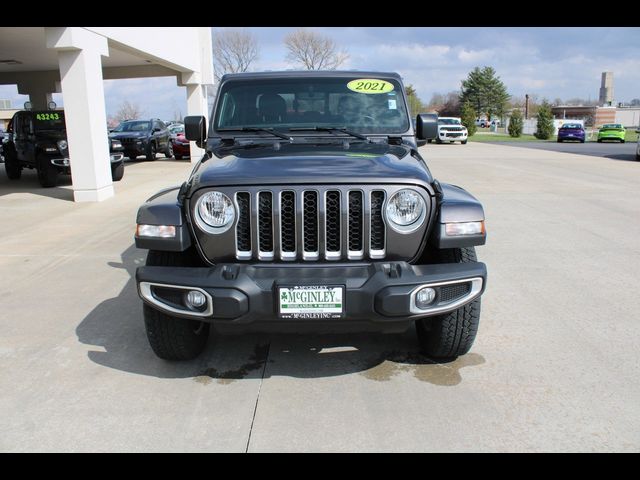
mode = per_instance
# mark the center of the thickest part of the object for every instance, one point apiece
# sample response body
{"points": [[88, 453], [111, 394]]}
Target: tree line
{"points": [[482, 93]]}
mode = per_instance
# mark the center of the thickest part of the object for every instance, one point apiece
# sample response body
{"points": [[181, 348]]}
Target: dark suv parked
{"points": [[143, 137], [38, 139], [312, 208]]}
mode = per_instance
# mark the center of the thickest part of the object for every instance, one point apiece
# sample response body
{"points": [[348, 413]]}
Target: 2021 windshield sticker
{"points": [[370, 85]]}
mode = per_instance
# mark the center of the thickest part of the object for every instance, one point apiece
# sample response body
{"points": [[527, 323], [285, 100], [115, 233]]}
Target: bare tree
{"points": [[313, 51], [128, 111], [233, 51]]}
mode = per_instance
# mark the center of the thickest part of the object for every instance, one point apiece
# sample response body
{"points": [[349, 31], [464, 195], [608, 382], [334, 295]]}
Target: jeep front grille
{"points": [[314, 223]]}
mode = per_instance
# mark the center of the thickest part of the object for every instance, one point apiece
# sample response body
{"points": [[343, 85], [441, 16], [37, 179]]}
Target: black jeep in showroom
{"points": [[143, 137], [311, 210], [38, 139]]}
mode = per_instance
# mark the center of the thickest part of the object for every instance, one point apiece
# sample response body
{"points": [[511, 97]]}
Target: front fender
{"points": [[456, 205], [164, 209]]}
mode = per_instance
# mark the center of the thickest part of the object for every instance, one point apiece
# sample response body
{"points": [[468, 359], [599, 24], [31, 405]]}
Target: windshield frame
{"points": [[214, 132]]}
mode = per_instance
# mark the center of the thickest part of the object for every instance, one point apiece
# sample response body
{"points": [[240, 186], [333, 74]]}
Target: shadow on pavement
{"points": [[28, 183], [116, 328]]}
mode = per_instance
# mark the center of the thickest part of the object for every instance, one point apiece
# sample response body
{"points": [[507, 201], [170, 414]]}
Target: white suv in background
{"points": [[450, 129]]}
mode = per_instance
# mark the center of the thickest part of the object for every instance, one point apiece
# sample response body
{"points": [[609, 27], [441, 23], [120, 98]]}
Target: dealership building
{"points": [[74, 61]]}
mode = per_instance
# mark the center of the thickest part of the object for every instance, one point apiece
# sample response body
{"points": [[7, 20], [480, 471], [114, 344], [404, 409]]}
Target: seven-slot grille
{"points": [[315, 223]]}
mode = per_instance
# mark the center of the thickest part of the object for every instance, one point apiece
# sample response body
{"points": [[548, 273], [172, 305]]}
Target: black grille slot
{"points": [[172, 296], [449, 293], [243, 228], [288, 221], [377, 224], [333, 221], [310, 221], [265, 221], [355, 221]]}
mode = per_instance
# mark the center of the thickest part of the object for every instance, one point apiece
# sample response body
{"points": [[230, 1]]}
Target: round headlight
{"points": [[62, 145], [215, 210], [405, 207]]}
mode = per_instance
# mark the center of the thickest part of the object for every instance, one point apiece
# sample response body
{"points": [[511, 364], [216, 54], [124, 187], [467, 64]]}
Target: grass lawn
{"points": [[504, 137], [631, 136]]}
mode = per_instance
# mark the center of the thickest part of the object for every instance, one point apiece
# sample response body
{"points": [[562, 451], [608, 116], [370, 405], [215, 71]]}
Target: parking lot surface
{"points": [[554, 367], [610, 150]]}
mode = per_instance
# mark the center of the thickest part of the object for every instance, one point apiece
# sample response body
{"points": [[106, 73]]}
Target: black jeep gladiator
{"points": [[38, 139], [311, 209]]}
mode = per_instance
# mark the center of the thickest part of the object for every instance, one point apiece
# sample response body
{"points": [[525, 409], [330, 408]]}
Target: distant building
{"points": [[596, 116], [606, 89], [6, 112]]}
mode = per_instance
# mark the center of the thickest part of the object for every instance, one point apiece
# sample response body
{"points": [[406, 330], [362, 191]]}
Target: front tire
{"points": [[451, 334], [169, 150], [47, 173], [463, 142], [151, 152], [11, 165], [174, 338], [117, 173]]}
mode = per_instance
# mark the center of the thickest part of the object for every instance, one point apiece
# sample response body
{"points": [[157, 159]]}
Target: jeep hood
{"points": [[313, 164]]}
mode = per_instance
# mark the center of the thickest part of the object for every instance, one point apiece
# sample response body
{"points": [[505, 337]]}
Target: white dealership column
{"points": [[197, 105], [79, 58]]}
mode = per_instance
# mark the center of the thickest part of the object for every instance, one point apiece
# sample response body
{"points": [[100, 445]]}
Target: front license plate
{"points": [[311, 302]]}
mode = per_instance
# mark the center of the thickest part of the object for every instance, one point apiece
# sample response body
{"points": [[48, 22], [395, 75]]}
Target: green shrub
{"points": [[468, 118], [516, 124], [544, 127]]}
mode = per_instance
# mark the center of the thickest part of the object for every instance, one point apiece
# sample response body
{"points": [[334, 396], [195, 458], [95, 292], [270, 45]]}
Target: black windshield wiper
{"points": [[258, 129], [330, 129]]}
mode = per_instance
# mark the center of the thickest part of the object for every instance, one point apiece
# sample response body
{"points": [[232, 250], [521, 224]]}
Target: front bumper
{"points": [[381, 295], [116, 157], [181, 149], [447, 135]]}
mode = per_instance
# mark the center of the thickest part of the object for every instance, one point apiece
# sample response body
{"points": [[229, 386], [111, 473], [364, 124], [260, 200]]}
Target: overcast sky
{"points": [[548, 62]]}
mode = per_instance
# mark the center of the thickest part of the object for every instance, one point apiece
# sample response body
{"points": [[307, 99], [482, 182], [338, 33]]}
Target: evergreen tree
{"points": [[544, 127], [468, 117], [485, 91], [415, 104], [516, 123]]}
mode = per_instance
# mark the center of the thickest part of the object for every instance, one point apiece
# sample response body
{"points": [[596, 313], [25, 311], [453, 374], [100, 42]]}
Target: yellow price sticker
{"points": [[370, 85]]}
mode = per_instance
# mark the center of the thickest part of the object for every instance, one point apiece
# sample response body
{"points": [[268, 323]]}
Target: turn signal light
{"points": [[158, 231], [464, 228]]}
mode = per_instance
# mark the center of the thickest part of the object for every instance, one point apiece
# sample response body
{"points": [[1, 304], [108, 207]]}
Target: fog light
{"points": [[425, 297], [195, 299]]}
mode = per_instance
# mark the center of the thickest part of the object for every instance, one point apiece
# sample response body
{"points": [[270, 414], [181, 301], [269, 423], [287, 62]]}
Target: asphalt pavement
{"points": [[554, 367], [610, 150]]}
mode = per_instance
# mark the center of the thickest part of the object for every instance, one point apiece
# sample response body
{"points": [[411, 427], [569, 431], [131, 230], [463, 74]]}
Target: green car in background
{"points": [[612, 131]]}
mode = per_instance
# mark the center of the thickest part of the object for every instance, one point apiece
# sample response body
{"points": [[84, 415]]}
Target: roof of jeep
{"points": [[310, 73]]}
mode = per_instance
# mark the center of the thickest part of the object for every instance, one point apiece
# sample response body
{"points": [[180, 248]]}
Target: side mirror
{"points": [[155, 130], [427, 126], [195, 129]]}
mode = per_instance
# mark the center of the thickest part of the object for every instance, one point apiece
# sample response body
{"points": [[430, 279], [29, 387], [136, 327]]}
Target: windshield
{"points": [[449, 121], [294, 103], [571, 125], [49, 120], [176, 128], [612, 125], [138, 126]]}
